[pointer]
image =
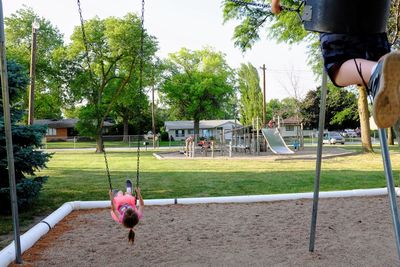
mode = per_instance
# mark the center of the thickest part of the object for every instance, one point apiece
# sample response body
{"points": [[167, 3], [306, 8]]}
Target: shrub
{"points": [[27, 192], [26, 140], [164, 136]]}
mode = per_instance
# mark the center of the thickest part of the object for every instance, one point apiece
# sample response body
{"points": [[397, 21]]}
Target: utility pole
{"points": [[153, 120], [264, 122], [35, 28]]}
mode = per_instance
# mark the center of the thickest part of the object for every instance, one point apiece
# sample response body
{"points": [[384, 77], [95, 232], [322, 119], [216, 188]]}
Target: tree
{"points": [[48, 95], [251, 98], [133, 107], [100, 74], [341, 109], [310, 109], [287, 27], [197, 84], [26, 139]]}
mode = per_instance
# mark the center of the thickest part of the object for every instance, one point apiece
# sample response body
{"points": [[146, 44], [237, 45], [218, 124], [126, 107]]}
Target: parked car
{"points": [[149, 136], [333, 138], [350, 133]]}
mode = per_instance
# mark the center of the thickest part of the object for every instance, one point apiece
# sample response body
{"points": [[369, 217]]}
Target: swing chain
{"points": [[85, 42], [140, 92], [107, 169]]}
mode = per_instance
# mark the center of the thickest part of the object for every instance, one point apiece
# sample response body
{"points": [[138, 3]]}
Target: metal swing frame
{"points": [[387, 169]]}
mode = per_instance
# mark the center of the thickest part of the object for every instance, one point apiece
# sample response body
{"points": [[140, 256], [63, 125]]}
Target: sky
{"points": [[192, 24]]}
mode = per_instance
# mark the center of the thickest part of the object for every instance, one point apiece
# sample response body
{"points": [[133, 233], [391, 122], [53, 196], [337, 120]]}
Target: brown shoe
{"points": [[385, 88]]}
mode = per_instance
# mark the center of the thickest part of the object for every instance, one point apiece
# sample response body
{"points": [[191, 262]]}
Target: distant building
{"points": [[292, 127], [63, 129], [180, 130]]}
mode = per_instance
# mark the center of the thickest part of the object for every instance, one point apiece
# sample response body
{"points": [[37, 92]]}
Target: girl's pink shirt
{"points": [[120, 200]]}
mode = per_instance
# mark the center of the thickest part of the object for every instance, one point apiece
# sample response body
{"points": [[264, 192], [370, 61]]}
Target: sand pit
{"points": [[350, 232]]}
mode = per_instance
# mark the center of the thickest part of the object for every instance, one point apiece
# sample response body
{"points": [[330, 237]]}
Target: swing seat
{"points": [[346, 16]]}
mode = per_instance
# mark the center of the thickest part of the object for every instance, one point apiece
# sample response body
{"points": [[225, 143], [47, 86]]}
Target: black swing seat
{"points": [[346, 16]]}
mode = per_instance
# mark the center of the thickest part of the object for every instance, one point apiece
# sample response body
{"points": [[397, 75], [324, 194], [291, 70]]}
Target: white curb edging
{"points": [[7, 255]]}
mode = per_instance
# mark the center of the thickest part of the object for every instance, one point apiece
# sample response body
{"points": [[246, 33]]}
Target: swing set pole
{"points": [[390, 187], [8, 135], [321, 127]]}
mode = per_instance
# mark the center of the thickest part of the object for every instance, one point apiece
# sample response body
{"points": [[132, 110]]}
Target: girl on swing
{"points": [[364, 59], [124, 210]]}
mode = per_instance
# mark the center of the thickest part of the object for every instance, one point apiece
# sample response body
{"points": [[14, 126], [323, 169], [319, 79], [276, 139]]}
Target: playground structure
{"points": [[245, 140]]}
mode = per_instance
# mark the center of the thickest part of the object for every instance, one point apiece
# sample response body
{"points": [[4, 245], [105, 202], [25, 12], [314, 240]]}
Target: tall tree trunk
{"points": [[126, 128], [99, 143], [390, 136], [196, 129], [364, 120]]}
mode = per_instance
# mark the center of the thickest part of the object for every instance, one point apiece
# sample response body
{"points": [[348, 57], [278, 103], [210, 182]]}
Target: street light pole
{"points": [[35, 28], [264, 121]]}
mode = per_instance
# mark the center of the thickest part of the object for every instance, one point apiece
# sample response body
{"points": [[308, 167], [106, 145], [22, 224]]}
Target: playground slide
{"points": [[275, 141]]}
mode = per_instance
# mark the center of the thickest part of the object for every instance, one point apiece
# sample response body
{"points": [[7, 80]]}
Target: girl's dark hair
{"points": [[130, 220], [131, 236]]}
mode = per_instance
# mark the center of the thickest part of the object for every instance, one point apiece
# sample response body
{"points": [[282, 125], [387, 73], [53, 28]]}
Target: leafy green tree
{"points": [[251, 98], [341, 109], [273, 109], [100, 76], [48, 95], [133, 107], [310, 109], [197, 84], [290, 107], [26, 139], [252, 20]]}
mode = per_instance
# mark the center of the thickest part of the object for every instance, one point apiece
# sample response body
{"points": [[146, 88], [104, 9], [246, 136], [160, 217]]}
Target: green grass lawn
{"points": [[92, 144], [81, 175]]}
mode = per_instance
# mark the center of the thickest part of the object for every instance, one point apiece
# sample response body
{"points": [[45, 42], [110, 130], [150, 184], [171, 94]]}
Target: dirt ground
{"points": [[350, 232]]}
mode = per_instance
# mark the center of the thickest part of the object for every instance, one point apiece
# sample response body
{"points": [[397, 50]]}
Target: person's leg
{"points": [[384, 85], [128, 187], [348, 74]]}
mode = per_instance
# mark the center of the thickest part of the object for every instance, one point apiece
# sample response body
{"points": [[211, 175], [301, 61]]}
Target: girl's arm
{"points": [[113, 209], [141, 202]]}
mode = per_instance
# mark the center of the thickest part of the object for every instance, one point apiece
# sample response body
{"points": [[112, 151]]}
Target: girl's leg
{"points": [[349, 75], [128, 187]]}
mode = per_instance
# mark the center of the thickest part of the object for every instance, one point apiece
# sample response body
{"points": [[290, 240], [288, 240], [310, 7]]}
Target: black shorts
{"points": [[338, 48]]}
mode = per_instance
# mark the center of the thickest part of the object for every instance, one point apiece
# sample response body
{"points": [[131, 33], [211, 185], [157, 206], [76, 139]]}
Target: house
{"points": [[293, 127], [63, 129], [180, 130], [290, 127]]}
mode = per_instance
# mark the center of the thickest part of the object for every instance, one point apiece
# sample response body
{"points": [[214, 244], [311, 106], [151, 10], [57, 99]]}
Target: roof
{"points": [[204, 124], [63, 123], [291, 120]]}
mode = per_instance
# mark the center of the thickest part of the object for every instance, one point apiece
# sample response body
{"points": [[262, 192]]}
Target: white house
{"points": [[180, 130], [292, 127]]}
